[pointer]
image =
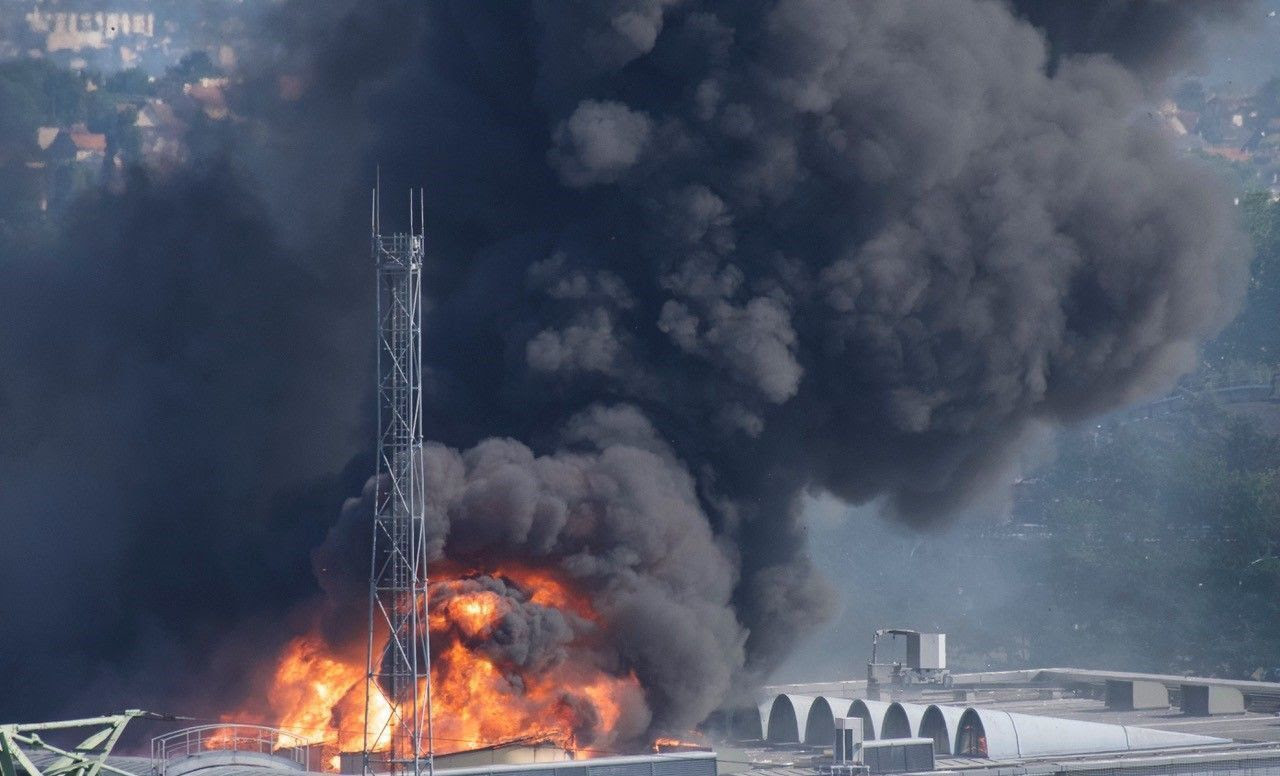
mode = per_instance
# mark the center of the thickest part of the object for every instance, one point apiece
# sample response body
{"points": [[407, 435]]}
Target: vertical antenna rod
{"points": [[399, 672]]}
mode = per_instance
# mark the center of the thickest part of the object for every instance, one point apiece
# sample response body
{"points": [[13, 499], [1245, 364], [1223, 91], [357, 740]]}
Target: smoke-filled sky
{"points": [[689, 261]]}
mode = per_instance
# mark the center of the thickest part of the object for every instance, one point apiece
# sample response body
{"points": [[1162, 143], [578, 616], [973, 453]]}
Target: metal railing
{"points": [[257, 739]]}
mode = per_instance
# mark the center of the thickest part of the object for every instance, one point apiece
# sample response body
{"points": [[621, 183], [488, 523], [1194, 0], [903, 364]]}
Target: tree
{"points": [[1268, 99], [1166, 537], [35, 93], [1190, 95], [21, 114], [1254, 336], [193, 67]]}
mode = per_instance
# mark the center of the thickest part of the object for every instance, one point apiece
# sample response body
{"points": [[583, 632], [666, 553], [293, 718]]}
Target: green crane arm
{"points": [[88, 758]]}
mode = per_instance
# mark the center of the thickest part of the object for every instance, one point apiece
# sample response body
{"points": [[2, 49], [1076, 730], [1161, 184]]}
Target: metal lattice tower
{"points": [[401, 671]]}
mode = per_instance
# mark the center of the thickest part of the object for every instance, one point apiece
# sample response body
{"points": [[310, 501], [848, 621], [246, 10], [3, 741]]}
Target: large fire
{"points": [[480, 696]]}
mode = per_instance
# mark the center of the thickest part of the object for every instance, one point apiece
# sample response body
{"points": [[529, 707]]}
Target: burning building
{"points": [[487, 655], [482, 694]]}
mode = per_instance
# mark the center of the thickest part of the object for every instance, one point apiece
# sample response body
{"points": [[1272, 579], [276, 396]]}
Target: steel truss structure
{"points": [[400, 671], [88, 758]]}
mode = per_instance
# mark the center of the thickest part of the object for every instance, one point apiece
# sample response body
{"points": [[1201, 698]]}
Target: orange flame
{"points": [[665, 744], [318, 693]]}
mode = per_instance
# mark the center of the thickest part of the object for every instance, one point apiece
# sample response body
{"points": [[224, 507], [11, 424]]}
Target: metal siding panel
{"points": [[684, 768], [933, 650], [1039, 736], [919, 757], [630, 769]]}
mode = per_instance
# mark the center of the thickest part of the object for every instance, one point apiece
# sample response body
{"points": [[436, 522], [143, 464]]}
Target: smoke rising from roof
{"points": [[689, 261]]}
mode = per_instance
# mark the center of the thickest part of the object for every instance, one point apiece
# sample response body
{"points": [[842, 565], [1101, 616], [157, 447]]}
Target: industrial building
{"points": [[255, 750], [1011, 723], [1050, 721]]}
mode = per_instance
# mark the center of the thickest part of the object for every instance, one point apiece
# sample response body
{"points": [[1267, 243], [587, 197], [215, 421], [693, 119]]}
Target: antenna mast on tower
{"points": [[400, 671]]}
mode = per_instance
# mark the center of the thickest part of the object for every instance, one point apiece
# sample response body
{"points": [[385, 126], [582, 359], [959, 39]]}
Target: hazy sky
{"points": [[1244, 57]]}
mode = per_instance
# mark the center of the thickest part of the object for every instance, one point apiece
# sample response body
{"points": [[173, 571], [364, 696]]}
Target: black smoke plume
{"points": [[1150, 37], [689, 260]]}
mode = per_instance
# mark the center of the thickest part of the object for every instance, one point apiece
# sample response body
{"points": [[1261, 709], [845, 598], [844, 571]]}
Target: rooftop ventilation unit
{"points": [[852, 756], [847, 740], [1131, 695], [897, 755], [1206, 700]]}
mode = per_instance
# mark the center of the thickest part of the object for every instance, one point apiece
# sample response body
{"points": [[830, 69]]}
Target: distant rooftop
{"points": [[1236, 742]]}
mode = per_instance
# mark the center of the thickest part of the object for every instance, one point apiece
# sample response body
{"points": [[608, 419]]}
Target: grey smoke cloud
{"points": [[599, 143], [754, 341], [588, 345], [689, 261]]}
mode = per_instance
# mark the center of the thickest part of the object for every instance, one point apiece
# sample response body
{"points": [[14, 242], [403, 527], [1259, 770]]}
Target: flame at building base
{"points": [[511, 660]]}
